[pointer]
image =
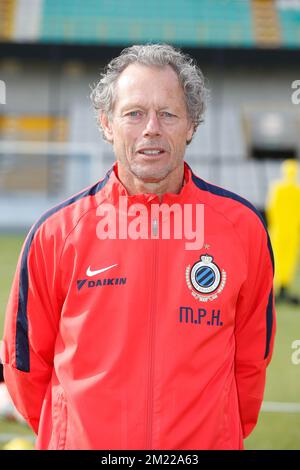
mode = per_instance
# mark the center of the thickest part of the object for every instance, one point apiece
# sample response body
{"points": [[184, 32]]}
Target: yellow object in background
{"points": [[283, 215], [34, 128], [7, 19], [19, 443]]}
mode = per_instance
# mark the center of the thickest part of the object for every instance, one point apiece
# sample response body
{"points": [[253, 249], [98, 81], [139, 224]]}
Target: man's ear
{"points": [[106, 126], [190, 132]]}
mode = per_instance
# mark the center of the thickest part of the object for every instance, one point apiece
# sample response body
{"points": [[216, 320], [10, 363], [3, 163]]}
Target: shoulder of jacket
{"points": [[241, 213], [234, 207], [62, 218]]}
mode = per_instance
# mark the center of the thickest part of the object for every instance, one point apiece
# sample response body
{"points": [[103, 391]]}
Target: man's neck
{"points": [[134, 185]]}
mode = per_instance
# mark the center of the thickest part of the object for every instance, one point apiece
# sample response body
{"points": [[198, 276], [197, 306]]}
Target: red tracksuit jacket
{"points": [[141, 343]]}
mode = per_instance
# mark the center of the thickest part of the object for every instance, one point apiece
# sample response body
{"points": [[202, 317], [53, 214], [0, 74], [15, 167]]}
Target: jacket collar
{"points": [[114, 189]]}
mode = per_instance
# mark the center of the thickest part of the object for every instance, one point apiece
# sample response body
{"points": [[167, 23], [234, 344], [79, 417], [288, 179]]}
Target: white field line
{"points": [[280, 407]]}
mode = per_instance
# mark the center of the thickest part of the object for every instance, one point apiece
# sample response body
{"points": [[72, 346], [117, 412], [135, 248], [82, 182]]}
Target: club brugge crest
{"points": [[205, 279]]}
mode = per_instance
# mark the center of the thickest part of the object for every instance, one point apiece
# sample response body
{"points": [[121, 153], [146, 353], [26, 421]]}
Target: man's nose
{"points": [[152, 126]]}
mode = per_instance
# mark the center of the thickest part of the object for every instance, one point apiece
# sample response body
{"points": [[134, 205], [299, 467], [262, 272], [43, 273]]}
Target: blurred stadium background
{"points": [[51, 54]]}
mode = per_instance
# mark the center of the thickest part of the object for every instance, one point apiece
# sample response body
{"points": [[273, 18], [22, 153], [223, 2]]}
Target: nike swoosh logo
{"points": [[90, 273]]}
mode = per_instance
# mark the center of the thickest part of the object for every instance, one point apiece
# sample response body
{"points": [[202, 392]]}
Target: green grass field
{"points": [[275, 430]]}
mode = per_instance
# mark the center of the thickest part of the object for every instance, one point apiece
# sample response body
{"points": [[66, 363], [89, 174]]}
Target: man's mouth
{"points": [[151, 152]]}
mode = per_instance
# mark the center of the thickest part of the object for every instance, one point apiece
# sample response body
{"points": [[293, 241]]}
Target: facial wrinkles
{"points": [[151, 94], [151, 143], [157, 99]]}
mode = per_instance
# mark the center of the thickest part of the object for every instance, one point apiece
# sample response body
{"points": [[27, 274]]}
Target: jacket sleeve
{"points": [[31, 325], [255, 326]]}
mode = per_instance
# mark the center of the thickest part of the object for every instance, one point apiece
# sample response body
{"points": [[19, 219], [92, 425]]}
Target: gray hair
{"points": [[189, 75]]}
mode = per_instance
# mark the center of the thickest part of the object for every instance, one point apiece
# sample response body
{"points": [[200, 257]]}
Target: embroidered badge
{"points": [[205, 279]]}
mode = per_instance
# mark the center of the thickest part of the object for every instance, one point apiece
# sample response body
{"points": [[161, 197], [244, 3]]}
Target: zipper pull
{"points": [[155, 227]]}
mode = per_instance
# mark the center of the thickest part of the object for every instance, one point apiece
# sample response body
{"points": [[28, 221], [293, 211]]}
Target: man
{"points": [[120, 336], [283, 217]]}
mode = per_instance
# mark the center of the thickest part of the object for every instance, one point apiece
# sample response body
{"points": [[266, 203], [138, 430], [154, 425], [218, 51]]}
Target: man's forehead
{"points": [[137, 72], [142, 80]]}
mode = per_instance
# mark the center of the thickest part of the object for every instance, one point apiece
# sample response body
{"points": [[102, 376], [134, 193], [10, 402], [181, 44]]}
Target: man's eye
{"points": [[167, 114], [134, 114]]}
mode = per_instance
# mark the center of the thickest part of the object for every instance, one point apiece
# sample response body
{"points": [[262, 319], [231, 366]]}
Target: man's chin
{"points": [[150, 175]]}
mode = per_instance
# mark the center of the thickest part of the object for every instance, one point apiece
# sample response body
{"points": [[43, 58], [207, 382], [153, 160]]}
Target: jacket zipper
{"points": [[149, 423]]}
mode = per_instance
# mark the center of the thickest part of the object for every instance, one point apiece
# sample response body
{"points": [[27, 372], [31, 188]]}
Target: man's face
{"points": [[149, 126]]}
